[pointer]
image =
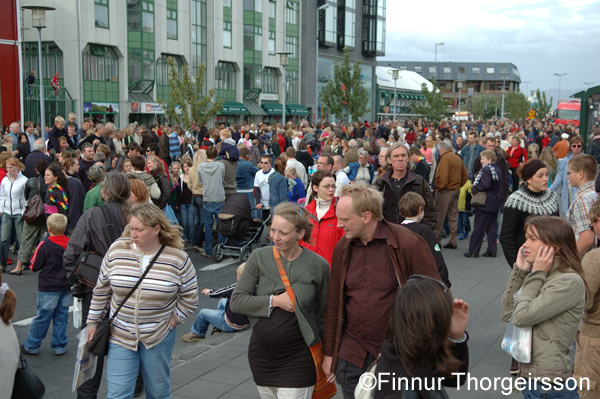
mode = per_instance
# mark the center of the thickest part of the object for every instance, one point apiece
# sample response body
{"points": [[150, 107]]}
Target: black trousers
{"points": [[348, 374], [485, 223]]}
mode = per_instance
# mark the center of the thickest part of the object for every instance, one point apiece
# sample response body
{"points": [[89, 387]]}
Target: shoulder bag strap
{"points": [[109, 224], [138, 282], [284, 277]]}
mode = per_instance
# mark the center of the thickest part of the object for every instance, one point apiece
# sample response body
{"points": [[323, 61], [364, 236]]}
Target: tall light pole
{"points": [[395, 77], [323, 7], [283, 62], [526, 82], [38, 21], [435, 57], [588, 84], [459, 86], [560, 75], [503, 90]]}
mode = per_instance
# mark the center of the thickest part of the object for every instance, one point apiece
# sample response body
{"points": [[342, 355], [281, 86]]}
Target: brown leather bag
{"points": [[34, 214]]}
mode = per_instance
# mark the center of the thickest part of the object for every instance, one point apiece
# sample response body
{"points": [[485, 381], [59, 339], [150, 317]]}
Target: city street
{"points": [[218, 367]]}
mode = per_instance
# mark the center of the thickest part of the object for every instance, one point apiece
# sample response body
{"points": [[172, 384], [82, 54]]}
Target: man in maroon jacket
{"points": [[368, 264]]}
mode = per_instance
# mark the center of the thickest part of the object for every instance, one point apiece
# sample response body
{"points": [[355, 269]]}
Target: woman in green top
{"points": [[283, 330]]}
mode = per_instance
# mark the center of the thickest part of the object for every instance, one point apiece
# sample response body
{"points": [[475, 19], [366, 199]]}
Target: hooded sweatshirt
{"points": [[211, 175], [48, 260]]}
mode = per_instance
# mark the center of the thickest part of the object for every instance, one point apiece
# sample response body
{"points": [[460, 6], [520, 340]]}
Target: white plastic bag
{"points": [[85, 363], [517, 340], [77, 312]]}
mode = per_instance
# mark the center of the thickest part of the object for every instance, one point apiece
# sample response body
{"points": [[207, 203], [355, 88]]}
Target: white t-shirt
{"points": [[261, 180]]}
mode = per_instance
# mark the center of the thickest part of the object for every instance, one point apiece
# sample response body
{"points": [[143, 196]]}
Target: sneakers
{"points": [[463, 236], [191, 337], [514, 367], [471, 255], [488, 255], [26, 352]]}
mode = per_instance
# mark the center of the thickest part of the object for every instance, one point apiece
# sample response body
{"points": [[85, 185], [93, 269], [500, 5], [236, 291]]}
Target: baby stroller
{"points": [[240, 230]]}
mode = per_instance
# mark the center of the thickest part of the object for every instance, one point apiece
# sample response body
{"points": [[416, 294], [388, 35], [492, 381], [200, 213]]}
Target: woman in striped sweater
{"points": [[143, 332]]}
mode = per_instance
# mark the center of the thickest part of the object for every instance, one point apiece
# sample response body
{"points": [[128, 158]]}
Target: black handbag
{"points": [[88, 267], [27, 383], [99, 345], [34, 213]]}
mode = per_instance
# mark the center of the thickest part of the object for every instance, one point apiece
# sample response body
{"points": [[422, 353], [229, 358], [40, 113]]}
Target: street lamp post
{"points": [[503, 90], [435, 58], [459, 86], [283, 62], [588, 84], [323, 7], [395, 77], [527, 87], [38, 21], [560, 75]]}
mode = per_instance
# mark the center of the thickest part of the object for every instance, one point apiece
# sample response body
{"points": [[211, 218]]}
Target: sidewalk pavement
{"points": [[218, 366]]}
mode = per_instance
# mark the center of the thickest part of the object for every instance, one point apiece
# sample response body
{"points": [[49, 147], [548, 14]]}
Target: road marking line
{"points": [[26, 322], [216, 266]]}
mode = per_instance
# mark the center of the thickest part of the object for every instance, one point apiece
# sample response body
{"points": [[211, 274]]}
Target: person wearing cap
{"points": [[561, 183]]}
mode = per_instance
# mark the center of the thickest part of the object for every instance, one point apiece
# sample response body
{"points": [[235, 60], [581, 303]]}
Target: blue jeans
{"points": [[51, 307], [198, 202], [464, 225], [189, 220], [8, 221], [214, 317], [210, 214], [122, 367], [539, 393]]}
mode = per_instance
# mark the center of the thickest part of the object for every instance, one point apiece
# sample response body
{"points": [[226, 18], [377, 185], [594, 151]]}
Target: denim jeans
{"points": [[464, 225], [539, 393], [51, 307], [198, 202], [122, 367], [214, 317], [189, 220], [210, 214], [8, 221]]}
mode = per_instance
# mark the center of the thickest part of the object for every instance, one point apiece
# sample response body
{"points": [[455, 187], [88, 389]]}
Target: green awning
{"points": [[254, 108], [403, 96], [273, 108], [233, 108], [296, 109], [384, 94]]}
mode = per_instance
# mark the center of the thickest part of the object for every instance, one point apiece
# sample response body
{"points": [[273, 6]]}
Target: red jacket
{"points": [[325, 233], [514, 157]]}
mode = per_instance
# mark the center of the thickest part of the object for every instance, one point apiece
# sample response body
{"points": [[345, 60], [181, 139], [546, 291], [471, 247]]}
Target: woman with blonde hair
{"points": [[143, 331], [547, 156], [157, 170], [12, 205]]}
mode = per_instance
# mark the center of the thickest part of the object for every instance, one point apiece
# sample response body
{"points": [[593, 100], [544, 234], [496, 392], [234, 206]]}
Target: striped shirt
{"points": [[578, 214], [169, 289], [174, 144]]}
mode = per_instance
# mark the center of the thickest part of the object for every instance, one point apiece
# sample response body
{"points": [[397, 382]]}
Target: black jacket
{"points": [[305, 159], [30, 161], [413, 183], [422, 169], [165, 191], [48, 260], [427, 234]]}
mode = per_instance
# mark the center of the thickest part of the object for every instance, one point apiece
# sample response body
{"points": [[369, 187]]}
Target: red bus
{"points": [[567, 112]]}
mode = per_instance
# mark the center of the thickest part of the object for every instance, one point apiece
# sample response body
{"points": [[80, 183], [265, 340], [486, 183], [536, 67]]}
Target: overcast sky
{"points": [[541, 37]]}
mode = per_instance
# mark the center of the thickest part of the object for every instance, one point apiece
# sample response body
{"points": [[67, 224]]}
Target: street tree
{"points": [[516, 105], [542, 107], [345, 94], [436, 105], [186, 105], [484, 107]]}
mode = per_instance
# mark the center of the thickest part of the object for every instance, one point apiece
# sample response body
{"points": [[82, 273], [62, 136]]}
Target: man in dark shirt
{"points": [[368, 264], [420, 165], [85, 163]]}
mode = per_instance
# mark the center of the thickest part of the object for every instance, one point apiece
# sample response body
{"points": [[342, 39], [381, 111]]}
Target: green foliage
{"points": [[479, 110], [516, 106], [344, 95], [437, 105], [543, 106], [186, 93]]}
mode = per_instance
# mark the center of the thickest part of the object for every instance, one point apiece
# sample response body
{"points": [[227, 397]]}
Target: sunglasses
{"points": [[576, 146], [422, 277]]}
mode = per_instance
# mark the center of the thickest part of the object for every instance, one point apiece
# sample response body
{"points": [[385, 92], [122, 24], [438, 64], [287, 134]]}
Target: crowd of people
{"points": [[357, 214]]}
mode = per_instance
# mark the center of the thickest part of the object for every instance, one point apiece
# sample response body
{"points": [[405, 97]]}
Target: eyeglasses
{"points": [[576, 146], [329, 187], [591, 225], [422, 277], [570, 171], [264, 163]]}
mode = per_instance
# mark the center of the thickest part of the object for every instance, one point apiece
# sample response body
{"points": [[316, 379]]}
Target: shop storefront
{"points": [[101, 112], [232, 113], [145, 113]]}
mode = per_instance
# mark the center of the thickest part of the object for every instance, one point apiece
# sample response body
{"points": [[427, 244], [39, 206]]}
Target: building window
{"points": [[490, 70], [403, 68], [432, 69], [291, 46], [101, 13], [162, 69], [381, 8], [380, 47], [292, 10], [330, 24], [227, 34], [100, 63], [418, 69], [224, 76], [349, 28], [270, 81], [257, 38], [461, 70], [447, 70], [503, 71], [272, 8], [52, 59], [292, 86], [226, 3], [476, 70], [147, 17], [172, 24], [272, 37], [252, 5], [198, 34]]}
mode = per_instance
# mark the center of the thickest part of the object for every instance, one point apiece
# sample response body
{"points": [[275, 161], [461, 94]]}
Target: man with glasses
{"points": [[369, 263], [561, 182], [261, 186]]}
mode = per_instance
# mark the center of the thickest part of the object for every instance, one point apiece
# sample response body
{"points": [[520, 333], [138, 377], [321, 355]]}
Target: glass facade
{"points": [[270, 81], [101, 14], [100, 74], [162, 75], [292, 46], [373, 27], [141, 44], [252, 74], [225, 81], [172, 19], [198, 34]]}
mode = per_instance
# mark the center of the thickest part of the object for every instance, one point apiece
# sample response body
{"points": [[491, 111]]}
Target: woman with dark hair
{"points": [[286, 325], [278, 185], [425, 340], [9, 350], [303, 156], [157, 170], [551, 301], [321, 206], [23, 148], [57, 198]]}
